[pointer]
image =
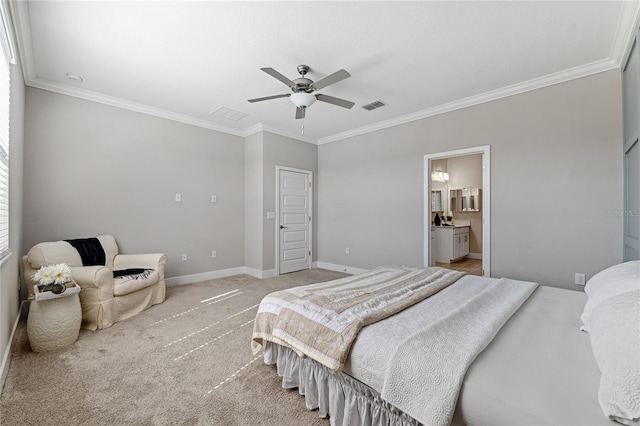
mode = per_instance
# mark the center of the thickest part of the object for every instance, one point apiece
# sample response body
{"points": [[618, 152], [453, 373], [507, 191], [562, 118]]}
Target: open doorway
{"points": [[458, 192]]}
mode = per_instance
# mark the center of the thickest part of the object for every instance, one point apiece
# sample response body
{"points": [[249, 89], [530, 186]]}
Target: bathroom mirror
{"points": [[436, 201], [465, 199]]}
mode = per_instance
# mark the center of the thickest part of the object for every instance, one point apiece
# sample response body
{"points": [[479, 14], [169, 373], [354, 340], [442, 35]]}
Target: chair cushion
{"points": [[50, 253], [110, 249], [129, 283]]}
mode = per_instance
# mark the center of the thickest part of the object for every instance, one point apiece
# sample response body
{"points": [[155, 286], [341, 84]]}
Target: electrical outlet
{"points": [[214, 198], [580, 279], [346, 250], [214, 254], [184, 257]]}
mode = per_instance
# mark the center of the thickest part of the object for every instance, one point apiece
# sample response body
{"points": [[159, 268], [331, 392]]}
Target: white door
{"points": [[294, 220]]}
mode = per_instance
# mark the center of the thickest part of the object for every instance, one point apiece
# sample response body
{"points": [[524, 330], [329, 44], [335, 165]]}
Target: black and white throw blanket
{"points": [[90, 250], [132, 273]]}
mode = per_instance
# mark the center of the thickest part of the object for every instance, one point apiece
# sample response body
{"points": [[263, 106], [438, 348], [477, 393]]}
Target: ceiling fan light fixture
{"points": [[302, 99]]}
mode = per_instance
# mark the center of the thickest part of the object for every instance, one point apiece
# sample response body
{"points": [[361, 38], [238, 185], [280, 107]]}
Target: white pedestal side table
{"points": [[55, 323]]}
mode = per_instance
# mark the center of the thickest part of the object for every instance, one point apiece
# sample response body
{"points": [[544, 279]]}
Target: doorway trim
{"points": [[485, 150], [310, 210]]}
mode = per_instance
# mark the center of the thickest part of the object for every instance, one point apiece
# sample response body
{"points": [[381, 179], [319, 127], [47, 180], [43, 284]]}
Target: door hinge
{"points": [[309, 184], [309, 252], [309, 218]]}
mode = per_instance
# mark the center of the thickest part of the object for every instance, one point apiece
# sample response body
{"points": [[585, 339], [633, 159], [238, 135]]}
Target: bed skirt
{"points": [[341, 397]]}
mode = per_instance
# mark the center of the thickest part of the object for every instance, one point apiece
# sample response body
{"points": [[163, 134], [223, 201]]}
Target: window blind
{"points": [[5, 90]]}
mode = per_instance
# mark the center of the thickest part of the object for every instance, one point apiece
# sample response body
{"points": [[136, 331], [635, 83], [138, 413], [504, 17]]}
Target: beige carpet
{"points": [[183, 362]]}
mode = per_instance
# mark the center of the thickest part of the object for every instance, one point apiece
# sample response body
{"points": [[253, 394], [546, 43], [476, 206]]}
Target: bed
{"points": [[425, 354]]}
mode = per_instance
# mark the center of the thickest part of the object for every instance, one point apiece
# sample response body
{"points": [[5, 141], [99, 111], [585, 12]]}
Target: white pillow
{"points": [[607, 283], [615, 340]]}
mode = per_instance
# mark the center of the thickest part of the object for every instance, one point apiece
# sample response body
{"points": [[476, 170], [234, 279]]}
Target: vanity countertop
{"points": [[450, 226]]}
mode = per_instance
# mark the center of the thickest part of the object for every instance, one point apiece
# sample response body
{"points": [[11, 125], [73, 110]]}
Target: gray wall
{"points": [[555, 169], [92, 169], [253, 201]]}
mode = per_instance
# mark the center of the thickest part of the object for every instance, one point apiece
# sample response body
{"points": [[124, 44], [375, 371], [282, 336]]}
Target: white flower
{"points": [[53, 274], [43, 276], [61, 273]]}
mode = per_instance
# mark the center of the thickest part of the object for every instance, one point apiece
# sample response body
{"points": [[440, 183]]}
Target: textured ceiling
{"points": [[183, 60]]}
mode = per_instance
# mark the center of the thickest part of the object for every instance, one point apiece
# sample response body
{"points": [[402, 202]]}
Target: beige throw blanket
{"points": [[322, 320]]}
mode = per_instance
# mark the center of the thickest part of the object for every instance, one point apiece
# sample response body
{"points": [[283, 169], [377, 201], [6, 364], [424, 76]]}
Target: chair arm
{"points": [[148, 260], [96, 296], [97, 278], [92, 276], [27, 273]]}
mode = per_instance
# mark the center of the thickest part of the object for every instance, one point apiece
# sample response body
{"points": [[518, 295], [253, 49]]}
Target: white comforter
{"points": [[422, 371]]}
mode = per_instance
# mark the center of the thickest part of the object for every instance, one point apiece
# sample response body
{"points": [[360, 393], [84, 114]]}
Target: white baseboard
{"points": [[6, 357], [222, 273], [211, 275], [340, 268], [269, 273], [474, 255]]}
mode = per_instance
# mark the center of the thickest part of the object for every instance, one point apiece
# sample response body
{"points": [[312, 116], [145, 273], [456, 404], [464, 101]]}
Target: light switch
{"points": [[271, 215], [214, 199], [178, 198]]}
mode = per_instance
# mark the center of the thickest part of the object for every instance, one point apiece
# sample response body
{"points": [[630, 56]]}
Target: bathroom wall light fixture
{"points": [[440, 176]]}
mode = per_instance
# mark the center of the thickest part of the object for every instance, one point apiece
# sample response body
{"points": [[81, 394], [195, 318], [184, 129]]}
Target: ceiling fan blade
{"points": [[330, 79], [275, 74], [336, 101], [266, 98], [300, 112]]}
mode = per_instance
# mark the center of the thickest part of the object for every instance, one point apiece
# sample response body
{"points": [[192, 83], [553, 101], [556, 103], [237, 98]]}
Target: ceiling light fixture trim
{"points": [[302, 99]]}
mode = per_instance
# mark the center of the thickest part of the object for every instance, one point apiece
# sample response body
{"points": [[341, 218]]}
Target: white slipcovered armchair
{"points": [[139, 281]]}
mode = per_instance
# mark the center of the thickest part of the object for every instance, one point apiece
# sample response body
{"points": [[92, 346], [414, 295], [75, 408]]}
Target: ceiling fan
{"points": [[303, 89]]}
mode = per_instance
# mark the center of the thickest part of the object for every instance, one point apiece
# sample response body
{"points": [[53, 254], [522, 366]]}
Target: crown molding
{"points": [[626, 31], [20, 15], [132, 106], [158, 112], [300, 137], [622, 43], [527, 86], [22, 30], [261, 127], [256, 128]]}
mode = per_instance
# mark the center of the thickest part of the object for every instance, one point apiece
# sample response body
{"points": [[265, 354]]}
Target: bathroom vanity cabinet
{"points": [[452, 243]]}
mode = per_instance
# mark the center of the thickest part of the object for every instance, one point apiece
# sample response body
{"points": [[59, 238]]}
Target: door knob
{"points": [[282, 226]]}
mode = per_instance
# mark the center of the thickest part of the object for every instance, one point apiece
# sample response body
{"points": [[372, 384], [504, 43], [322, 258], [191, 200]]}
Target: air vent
{"points": [[374, 105], [229, 114]]}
